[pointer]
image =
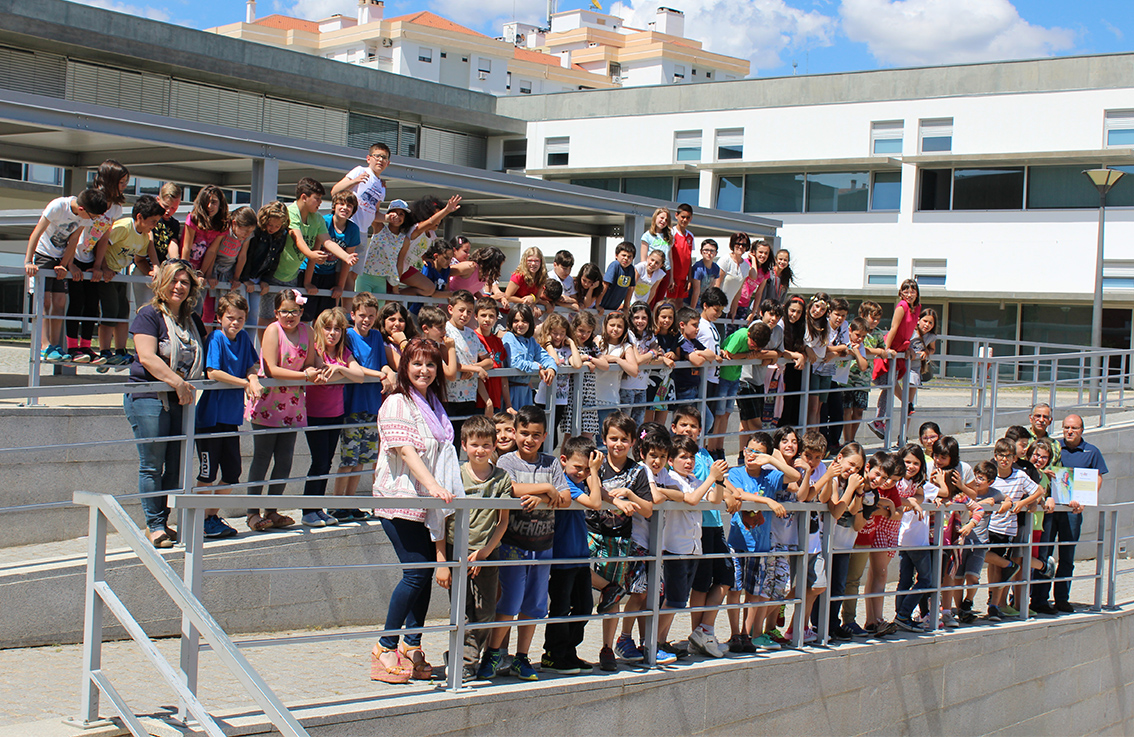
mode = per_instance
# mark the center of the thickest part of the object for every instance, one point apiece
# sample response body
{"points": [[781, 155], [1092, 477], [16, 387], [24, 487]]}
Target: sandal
{"points": [[257, 523], [415, 656], [279, 520], [160, 539], [380, 671]]}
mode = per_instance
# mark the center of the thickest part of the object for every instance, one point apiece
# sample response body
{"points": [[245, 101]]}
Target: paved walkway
{"points": [[41, 684]]}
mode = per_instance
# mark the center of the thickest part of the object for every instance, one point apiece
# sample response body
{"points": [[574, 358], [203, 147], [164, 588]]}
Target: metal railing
{"points": [[198, 624]]}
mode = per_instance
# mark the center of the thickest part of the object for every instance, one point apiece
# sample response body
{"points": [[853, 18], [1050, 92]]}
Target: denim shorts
{"points": [[523, 589], [727, 391], [819, 387]]}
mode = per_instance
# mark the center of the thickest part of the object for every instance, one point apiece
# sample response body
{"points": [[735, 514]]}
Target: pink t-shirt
{"points": [[283, 406], [326, 400], [906, 327], [472, 282]]}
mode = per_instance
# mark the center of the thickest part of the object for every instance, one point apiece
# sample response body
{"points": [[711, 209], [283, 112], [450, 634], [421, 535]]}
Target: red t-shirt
{"points": [[681, 258], [523, 288], [494, 347]]}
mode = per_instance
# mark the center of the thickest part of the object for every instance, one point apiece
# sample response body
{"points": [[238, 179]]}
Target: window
{"points": [[1060, 186], [149, 186], [838, 192], [880, 272], [1120, 128], [556, 149], [730, 144], [730, 193], [678, 72], [507, 80], [688, 190], [425, 55], [15, 170], [610, 184], [886, 137], [444, 55], [657, 188], [407, 141], [687, 146], [41, 174], [525, 86], [936, 191], [484, 65], [516, 153], [773, 192], [988, 189], [1118, 276], [929, 272], [708, 75], [936, 135], [886, 194]]}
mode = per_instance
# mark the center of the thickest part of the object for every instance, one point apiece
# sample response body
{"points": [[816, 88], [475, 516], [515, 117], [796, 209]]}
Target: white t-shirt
{"points": [[646, 281], [467, 345], [609, 382], [734, 275], [642, 380], [710, 337], [568, 283], [815, 539], [61, 225], [682, 532], [914, 532], [370, 195]]}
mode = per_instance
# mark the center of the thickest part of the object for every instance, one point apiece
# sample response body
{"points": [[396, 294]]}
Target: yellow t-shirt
{"points": [[125, 243]]}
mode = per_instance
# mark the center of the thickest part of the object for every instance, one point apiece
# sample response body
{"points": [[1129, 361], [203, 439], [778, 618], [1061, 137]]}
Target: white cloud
{"points": [[136, 10], [487, 16], [758, 30], [925, 32], [316, 9]]}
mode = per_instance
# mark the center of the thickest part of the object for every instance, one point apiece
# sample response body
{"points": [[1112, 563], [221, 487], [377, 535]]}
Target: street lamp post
{"points": [[1103, 180]]}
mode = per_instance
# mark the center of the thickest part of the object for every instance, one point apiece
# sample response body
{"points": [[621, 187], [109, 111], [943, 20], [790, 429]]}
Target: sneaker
{"points": [[878, 428], [966, 616], [966, 605], [1048, 570], [606, 660], [778, 636], [947, 619], [78, 355], [343, 515], [907, 624], [1042, 607], [54, 354], [522, 668], [567, 668], [216, 528], [909, 409], [664, 656], [122, 358], [1009, 570], [327, 519], [706, 644], [97, 359], [839, 632], [1009, 611], [313, 519], [855, 630], [766, 642], [809, 635], [489, 662], [627, 650], [360, 515], [885, 628], [1065, 607], [680, 649], [583, 666], [993, 614], [609, 598]]}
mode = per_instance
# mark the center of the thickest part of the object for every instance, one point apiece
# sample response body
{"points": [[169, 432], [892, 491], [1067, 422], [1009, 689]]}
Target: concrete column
{"points": [[265, 181], [74, 181], [597, 254], [706, 193], [453, 227], [632, 228]]}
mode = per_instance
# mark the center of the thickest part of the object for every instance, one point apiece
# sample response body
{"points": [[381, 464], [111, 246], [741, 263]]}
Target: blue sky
{"points": [[819, 36]]}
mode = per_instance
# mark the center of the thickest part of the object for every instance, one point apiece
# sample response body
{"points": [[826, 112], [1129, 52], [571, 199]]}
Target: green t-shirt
{"points": [[482, 522], [737, 342], [291, 259]]}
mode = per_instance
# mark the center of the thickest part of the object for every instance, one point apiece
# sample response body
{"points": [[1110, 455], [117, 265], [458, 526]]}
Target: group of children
{"points": [[714, 552]]}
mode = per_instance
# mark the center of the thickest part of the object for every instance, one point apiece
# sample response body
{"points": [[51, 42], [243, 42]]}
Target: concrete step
{"points": [[42, 586]]}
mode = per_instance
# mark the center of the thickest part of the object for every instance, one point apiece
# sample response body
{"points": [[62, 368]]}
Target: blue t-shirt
{"points": [[370, 352], [571, 532], [701, 464], [350, 237], [683, 378], [707, 276], [758, 539], [621, 279], [235, 357]]}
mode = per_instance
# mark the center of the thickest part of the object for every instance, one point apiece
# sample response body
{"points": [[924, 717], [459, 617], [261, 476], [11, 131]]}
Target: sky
{"points": [[779, 37]]}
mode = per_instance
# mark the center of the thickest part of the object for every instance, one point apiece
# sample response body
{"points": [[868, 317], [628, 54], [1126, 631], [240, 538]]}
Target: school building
{"points": [[965, 177]]}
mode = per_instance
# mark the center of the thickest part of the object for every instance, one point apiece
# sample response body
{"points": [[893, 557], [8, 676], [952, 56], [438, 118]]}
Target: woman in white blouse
{"points": [[418, 460]]}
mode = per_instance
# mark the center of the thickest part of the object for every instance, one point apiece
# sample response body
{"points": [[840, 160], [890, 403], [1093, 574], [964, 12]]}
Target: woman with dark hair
{"points": [[418, 459], [168, 339]]}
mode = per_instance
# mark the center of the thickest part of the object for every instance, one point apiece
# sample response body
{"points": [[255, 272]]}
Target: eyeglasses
{"points": [[289, 313], [379, 157], [1004, 456]]}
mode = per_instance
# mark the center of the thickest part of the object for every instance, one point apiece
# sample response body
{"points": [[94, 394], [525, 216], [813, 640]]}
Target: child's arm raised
{"points": [[425, 226]]}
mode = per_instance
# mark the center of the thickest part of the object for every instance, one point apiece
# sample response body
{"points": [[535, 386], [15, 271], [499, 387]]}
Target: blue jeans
{"points": [[409, 602], [1064, 527], [837, 580], [912, 562], [159, 464], [634, 396], [322, 444]]}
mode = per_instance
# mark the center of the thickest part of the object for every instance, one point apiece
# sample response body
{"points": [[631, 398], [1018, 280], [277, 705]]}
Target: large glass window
{"points": [[658, 188], [610, 184], [988, 189], [980, 320], [1060, 186], [516, 153], [730, 193], [773, 192], [838, 191], [935, 190], [688, 190], [887, 191]]}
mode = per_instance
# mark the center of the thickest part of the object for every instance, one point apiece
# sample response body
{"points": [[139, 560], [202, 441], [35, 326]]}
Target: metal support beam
{"points": [[144, 155], [74, 181], [453, 227], [265, 181]]}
